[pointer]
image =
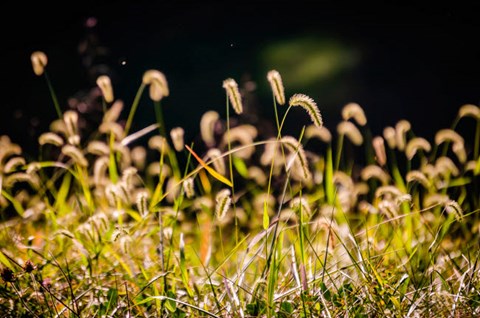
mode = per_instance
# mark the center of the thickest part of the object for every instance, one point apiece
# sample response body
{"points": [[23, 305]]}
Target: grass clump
{"points": [[307, 225]]}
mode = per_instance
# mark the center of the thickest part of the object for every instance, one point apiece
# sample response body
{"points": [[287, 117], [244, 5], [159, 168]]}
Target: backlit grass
{"points": [[314, 224]]}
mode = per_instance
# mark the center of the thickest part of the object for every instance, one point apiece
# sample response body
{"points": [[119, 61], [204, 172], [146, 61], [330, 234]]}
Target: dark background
{"points": [[413, 62]]}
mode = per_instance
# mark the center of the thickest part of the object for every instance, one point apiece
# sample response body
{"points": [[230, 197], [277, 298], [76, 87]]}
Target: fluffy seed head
{"points": [[99, 169], [361, 188], [13, 178], [158, 143], [139, 156], [294, 146], [58, 126], [471, 165], [429, 170], [460, 152], [277, 86], [70, 118], [112, 114], [123, 152], [435, 199], [39, 61], [418, 176], [401, 129], [355, 111], [379, 148], [449, 135], [346, 199], [97, 147], [50, 138], [75, 153], [452, 207], [348, 129], [373, 171], [244, 135], [158, 84], [416, 144], [142, 203], [469, 110], [389, 135], [8, 149], [112, 128], [300, 203], [188, 188], [215, 155], [202, 203], [222, 203], [172, 189], [445, 166], [105, 85], [388, 208], [343, 180], [233, 94], [271, 149], [125, 242], [403, 198], [154, 169], [207, 127], [367, 208], [13, 164], [387, 191], [458, 147], [296, 169], [309, 105], [152, 76], [33, 167], [257, 174], [321, 133], [127, 177], [177, 134]]}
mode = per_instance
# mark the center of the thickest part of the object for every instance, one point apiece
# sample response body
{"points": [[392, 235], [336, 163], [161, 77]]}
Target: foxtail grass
{"points": [[100, 225]]}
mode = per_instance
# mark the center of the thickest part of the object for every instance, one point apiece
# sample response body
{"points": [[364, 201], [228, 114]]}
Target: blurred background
{"points": [[413, 62]]}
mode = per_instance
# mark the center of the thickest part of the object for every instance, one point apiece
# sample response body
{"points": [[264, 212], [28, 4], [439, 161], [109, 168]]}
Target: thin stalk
{"points": [[273, 276], [301, 230], [83, 179], [369, 152], [158, 192], [230, 167], [266, 219], [112, 164], [274, 241], [329, 187], [159, 119], [53, 95], [339, 151], [276, 114], [135, 103]]}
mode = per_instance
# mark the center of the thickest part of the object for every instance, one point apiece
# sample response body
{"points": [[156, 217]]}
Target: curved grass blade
{"points": [[212, 172]]}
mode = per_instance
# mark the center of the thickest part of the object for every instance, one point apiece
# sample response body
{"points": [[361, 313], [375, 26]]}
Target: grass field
{"points": [[119, 223]]}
